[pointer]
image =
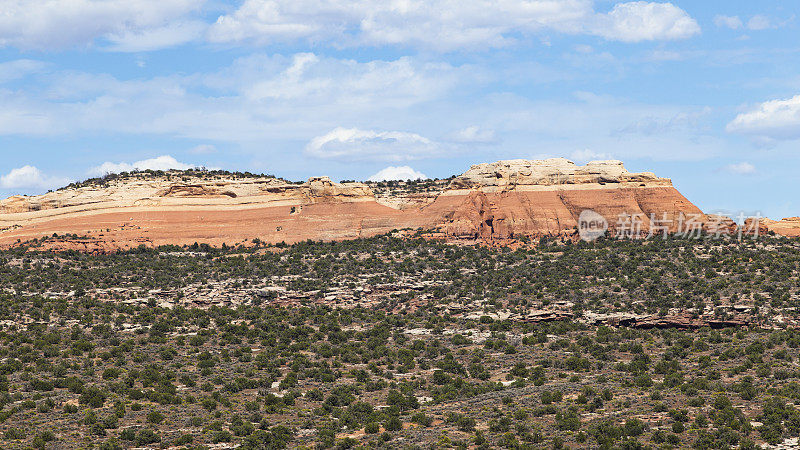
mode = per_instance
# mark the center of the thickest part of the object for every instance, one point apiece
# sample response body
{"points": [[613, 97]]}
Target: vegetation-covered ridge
{"points": [[192, 174], [204, 174], [399, 343]]}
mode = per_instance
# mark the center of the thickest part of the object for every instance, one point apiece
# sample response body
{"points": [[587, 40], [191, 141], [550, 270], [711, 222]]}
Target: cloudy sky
{"points": [[707, 93]]}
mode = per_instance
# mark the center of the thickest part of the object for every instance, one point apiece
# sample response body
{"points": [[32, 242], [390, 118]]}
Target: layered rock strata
{"points": [[492, 202]]}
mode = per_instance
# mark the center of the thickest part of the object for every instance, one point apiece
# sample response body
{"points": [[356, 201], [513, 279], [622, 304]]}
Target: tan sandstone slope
{"points": [[489, 202]]}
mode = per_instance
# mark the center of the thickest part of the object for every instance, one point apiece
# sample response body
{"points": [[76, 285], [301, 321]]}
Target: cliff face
{"points": [[506, 199], [490, 203]]}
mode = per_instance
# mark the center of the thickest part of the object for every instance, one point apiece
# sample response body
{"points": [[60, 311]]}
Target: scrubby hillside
{"points": [[391, 343]]}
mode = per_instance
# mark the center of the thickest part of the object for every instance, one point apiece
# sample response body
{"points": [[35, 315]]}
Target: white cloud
{"points": [[600, 123], [49, 24], [257, 97], [474, 135], [29, 177], [144, 25], [164, 162], [440, 24], [586, 155], [732, 22], [203, 149], [774, 119], [742, 168], [683, 120], [646, 21], [443, 24], [401, 173], [20, 68], [368, 145], [170, 35], [307, 76], [758, 22], [268, 106], [666, 55]]}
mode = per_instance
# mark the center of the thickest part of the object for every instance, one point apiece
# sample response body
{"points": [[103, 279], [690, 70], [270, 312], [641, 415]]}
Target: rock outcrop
{"points": [[322, 189], [789, 226], [508, 199], [552, 173], [172, 190], [490, 203], [684, 322]]}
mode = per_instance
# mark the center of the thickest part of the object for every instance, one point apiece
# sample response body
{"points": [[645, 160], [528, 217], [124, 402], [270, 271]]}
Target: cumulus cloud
{"points": [[442, 25], [646, 21], [164, 162], [474, 135], [742, 168], [352, 144], [49, 24], [29, 177], [774, 119], [401, 173]]}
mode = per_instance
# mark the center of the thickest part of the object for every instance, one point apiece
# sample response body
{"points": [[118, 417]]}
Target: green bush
{"points": [[155, 417]]}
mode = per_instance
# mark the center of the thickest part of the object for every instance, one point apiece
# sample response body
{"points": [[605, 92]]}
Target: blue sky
{"points": [[706, 93]]}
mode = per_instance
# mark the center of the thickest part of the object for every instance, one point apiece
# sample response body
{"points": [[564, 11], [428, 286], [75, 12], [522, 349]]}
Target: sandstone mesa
{"points": [[489, 203]]}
